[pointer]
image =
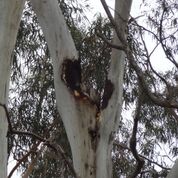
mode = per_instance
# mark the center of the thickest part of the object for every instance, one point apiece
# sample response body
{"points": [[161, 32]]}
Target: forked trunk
{"points": [[90, 132]]}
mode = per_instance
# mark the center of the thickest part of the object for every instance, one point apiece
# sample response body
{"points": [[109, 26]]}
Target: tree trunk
{"points": [[111, 115], [90, 133], [10, 14]]}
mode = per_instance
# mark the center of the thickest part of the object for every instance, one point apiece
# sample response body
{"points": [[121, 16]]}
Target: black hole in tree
{"points": [[71, 74]]}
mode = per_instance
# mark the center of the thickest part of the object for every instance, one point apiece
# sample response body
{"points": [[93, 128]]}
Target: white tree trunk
{"points": [[90, 139], [111, 115], [10, 14]]}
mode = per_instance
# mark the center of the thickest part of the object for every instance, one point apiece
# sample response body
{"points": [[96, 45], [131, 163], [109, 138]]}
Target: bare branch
{"points": [[109, 43], [32, 150], [149, 62], [114, 24], [133, 139], [155, 99], [122, 146], [32, 164], [56, 147]]}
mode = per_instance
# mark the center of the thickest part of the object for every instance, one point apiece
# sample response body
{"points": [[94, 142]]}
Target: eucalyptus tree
{"points": [[89, 122], [85, 103]]}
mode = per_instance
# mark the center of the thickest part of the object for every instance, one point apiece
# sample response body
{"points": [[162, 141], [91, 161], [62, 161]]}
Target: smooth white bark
{"points": [[10, 14], [112, 113], [77, 117], [61, 46], [91, 156]]}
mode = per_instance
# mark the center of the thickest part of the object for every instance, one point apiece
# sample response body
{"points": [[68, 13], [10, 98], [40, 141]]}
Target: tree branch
{"points": [[133, 139], [155, 99], [56, 147], [122, 146], [109, 43], [32, 150], [32, 164], [114, 24]]}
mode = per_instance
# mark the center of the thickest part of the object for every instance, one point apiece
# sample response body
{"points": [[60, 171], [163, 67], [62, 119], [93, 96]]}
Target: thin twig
{"points": [[149, 62]]}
